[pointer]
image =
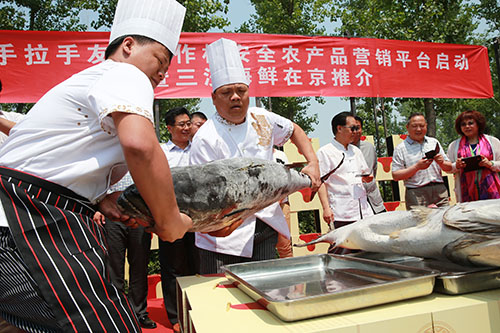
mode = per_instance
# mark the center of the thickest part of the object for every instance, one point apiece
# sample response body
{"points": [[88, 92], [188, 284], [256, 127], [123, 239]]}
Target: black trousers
{"points": [[177, 258], [135, 243]]}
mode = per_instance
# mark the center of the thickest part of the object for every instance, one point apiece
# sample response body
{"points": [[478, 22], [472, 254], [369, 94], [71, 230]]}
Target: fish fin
{"points": [[422, 213], [478, 216], [394, 234]]}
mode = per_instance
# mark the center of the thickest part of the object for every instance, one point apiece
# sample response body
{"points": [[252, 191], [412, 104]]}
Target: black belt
{"points": [[428, 184]]}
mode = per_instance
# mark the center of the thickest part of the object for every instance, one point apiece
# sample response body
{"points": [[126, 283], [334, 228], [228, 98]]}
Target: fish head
{"points": [[131, 203], [345, 238]]}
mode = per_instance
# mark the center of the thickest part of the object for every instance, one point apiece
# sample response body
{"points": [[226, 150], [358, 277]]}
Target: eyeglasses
{"points": [[468, 123], [184, 124], [353, 128]]}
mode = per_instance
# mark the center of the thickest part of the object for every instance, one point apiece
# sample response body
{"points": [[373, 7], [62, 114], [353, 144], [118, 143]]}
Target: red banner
{"points": [[32, 62]]}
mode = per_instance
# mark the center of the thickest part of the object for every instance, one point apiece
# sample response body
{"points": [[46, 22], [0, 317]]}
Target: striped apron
{"points": [[65, 253]]}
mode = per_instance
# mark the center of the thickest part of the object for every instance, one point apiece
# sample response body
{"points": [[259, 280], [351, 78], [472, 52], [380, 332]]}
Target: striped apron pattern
{"points": [[21, 304], [65, 253]]}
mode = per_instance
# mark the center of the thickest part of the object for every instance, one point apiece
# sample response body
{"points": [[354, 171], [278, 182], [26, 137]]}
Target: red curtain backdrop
{"points": [[32, 62]]}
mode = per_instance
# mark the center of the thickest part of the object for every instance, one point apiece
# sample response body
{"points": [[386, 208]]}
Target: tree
{"points": [[44, 14], [444, 21], [288, 17], [489, 10]]}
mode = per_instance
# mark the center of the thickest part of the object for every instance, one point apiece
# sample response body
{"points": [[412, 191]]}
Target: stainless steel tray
{"points": [[452, 279], [310, 286]]}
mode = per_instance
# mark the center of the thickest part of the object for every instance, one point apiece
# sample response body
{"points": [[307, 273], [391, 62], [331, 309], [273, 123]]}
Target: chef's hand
{"points": [[109, 208], [226, 231], [312, 170], [328, 215]]}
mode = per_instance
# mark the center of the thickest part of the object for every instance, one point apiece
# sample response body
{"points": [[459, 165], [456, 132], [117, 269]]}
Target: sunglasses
{"points": [[353, 128], [468, 123]]}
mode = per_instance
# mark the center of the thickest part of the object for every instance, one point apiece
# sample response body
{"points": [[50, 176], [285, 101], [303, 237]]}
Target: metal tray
{"points": [[310, 286], [452, 279]]}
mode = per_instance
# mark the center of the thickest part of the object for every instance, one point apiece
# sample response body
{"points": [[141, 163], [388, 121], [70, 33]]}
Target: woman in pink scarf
{"points": [[483, 182]]}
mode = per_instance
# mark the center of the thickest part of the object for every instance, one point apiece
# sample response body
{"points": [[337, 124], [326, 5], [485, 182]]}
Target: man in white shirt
{"points": [[177, 258], [343, 196], [422, 176], [58, 163], [238, 131]]}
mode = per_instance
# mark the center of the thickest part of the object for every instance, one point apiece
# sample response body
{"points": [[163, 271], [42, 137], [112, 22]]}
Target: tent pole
{"points": [[496, 41]]}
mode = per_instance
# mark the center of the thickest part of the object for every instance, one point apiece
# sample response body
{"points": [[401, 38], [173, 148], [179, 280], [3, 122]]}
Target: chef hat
{"points": [[160, 20], [225, 63]]}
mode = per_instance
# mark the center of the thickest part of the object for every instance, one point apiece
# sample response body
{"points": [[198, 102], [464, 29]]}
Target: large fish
{"points": [[466, 233], [221, 192]]}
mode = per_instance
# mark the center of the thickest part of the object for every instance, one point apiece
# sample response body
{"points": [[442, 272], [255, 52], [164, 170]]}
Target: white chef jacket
{"points": [[346, 193], [69, 137], [217, 139]]}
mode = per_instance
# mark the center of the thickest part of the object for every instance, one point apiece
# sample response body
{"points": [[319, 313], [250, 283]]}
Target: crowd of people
{"points": [[63, 239]]}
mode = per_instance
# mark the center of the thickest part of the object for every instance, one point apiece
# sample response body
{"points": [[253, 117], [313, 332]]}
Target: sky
{"points": [[239, 12]]}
